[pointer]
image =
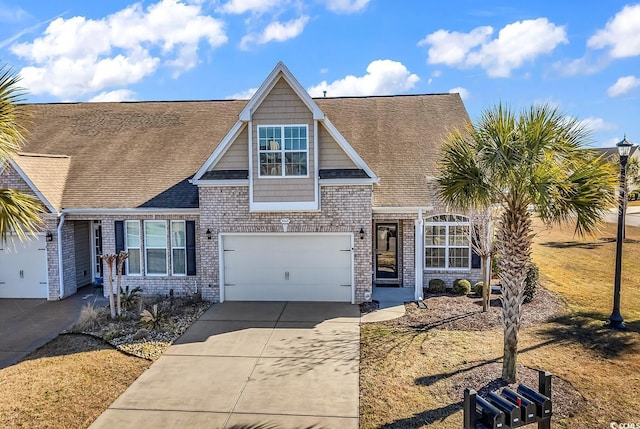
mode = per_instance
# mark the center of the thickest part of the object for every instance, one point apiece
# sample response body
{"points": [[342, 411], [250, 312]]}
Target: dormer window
{"points": [[283, 150]]}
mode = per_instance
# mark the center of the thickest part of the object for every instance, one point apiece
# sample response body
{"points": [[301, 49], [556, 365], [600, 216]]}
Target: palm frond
{"points": [[19, 213], [12, 117]]}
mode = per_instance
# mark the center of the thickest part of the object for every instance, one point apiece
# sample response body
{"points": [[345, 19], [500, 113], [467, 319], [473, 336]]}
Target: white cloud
{"points": [[276, 31], [452, 48], [117, 95], [580, 66], [516, 43], [242, 95], [77, 56], [346, 6], [594, 123], [623, 85], [383, 77], [621, 34], [255, 6], [12, 14], [464, 92]]}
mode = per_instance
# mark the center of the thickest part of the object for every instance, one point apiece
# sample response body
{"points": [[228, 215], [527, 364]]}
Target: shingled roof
{"points": [[48, 173], [141, 154]]}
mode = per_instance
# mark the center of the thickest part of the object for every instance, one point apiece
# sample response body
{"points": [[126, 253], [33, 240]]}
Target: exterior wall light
{"points": [[361, 233], [49, 236], [208, 234]]}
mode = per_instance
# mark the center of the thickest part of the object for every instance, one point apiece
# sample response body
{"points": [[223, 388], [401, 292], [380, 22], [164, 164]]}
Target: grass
{"points": [[582, 270], [67, 383], [408, 377]]}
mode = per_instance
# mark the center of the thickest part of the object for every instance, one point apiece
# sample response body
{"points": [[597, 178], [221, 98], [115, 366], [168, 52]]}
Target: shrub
{"points": [[129, 297], [495, 265], [531, 282], [461, 286], [91, 318], [437, 286], [477, 288], [157, 318], [111, 333]]}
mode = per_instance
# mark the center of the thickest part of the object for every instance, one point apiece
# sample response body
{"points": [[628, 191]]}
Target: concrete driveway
{"points": [[267, 364], [26, 324]]}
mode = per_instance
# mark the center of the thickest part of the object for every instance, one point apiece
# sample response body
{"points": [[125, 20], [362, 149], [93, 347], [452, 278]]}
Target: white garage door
{"points": [[23, 269], [287, 268]]}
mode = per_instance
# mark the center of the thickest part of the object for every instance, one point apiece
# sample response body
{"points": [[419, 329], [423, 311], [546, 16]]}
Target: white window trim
{"points": [[146, 247], [427, 224], [283, 152], [184, 224], [126, 246]]}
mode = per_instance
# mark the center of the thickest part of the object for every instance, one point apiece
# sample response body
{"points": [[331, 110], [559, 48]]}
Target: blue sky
{"points": [[583, 57]]}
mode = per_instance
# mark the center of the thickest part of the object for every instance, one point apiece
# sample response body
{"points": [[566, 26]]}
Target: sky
{"points": [[581, 57]]}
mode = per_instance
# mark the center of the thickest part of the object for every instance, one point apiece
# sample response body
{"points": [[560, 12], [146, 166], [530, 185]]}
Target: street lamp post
{"points": [[615, 320]]}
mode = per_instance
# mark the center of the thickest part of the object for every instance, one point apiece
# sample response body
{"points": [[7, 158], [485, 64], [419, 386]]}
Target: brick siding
{"points": [[343, 209]]}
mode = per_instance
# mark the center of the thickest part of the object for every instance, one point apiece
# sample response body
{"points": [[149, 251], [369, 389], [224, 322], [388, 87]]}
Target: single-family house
{"points": [[280, 197]]}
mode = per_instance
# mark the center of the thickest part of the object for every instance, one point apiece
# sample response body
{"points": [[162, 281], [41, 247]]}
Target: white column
{"points": [[419, 248]]}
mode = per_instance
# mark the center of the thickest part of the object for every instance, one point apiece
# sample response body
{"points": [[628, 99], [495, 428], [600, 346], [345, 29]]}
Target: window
{"points": [[282, 150], [446, 240], [155, 242], [178, 248], [132, 245]]}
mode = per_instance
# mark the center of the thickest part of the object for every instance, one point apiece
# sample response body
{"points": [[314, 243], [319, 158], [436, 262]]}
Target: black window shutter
{"points": [[191, 247], [476, 262], [119, 225]]}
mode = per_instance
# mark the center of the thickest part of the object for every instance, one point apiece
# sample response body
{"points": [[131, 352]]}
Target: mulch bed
{"points": [[464, 313]]}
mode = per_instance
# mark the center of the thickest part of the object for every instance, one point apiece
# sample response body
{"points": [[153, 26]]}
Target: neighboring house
{"points": [[282, 197]]}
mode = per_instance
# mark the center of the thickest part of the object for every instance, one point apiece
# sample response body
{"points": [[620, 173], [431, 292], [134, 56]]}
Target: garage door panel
{"points": [[23, 269], [287, 267]]}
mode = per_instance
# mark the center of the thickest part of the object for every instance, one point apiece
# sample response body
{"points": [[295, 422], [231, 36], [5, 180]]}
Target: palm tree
{"points": [[19, 213], [526, 163]]}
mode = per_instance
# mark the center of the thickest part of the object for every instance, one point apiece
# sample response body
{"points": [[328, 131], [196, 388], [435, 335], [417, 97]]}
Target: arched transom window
{"points": [[446, 242]]}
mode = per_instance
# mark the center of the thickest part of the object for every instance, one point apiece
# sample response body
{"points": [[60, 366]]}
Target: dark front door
{"points": [[386, 242]]}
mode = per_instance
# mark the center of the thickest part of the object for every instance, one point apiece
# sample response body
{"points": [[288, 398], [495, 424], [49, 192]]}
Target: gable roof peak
{"points": [[280, 70]]}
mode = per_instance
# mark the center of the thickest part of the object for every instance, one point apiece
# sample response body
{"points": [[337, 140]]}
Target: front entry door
{"points": [[386, 242]]}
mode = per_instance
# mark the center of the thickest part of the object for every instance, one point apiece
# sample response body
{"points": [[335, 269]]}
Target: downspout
{"points": [[60, 265], [418, 242]]}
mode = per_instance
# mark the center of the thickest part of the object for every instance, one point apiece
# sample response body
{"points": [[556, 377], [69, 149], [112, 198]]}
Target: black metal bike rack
{"points": [[508, 408]]}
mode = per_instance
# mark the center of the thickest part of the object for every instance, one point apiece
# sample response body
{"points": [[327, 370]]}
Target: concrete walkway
{"points": [[284, 364], [391, 300], [26, 324]]}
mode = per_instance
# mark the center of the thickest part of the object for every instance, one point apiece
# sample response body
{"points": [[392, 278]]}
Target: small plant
{"points": [[130, 297], [437, 286], [157, 318], [531, 282], [461, 286], [111, 333], [477, 288], [91, 318]]}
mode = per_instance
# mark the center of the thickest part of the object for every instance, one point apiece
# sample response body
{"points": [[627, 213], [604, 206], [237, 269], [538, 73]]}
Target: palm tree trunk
{"points": [[485, 284], [109, 260], [514, 244]]}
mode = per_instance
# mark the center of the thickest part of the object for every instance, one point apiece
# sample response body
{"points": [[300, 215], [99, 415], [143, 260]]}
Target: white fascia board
{"points": [[33, 187], [230, 182], [401, 209], [337, 182], [133, 211], [269, 83], [305, 206], [220, 150], [349, 150]]}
